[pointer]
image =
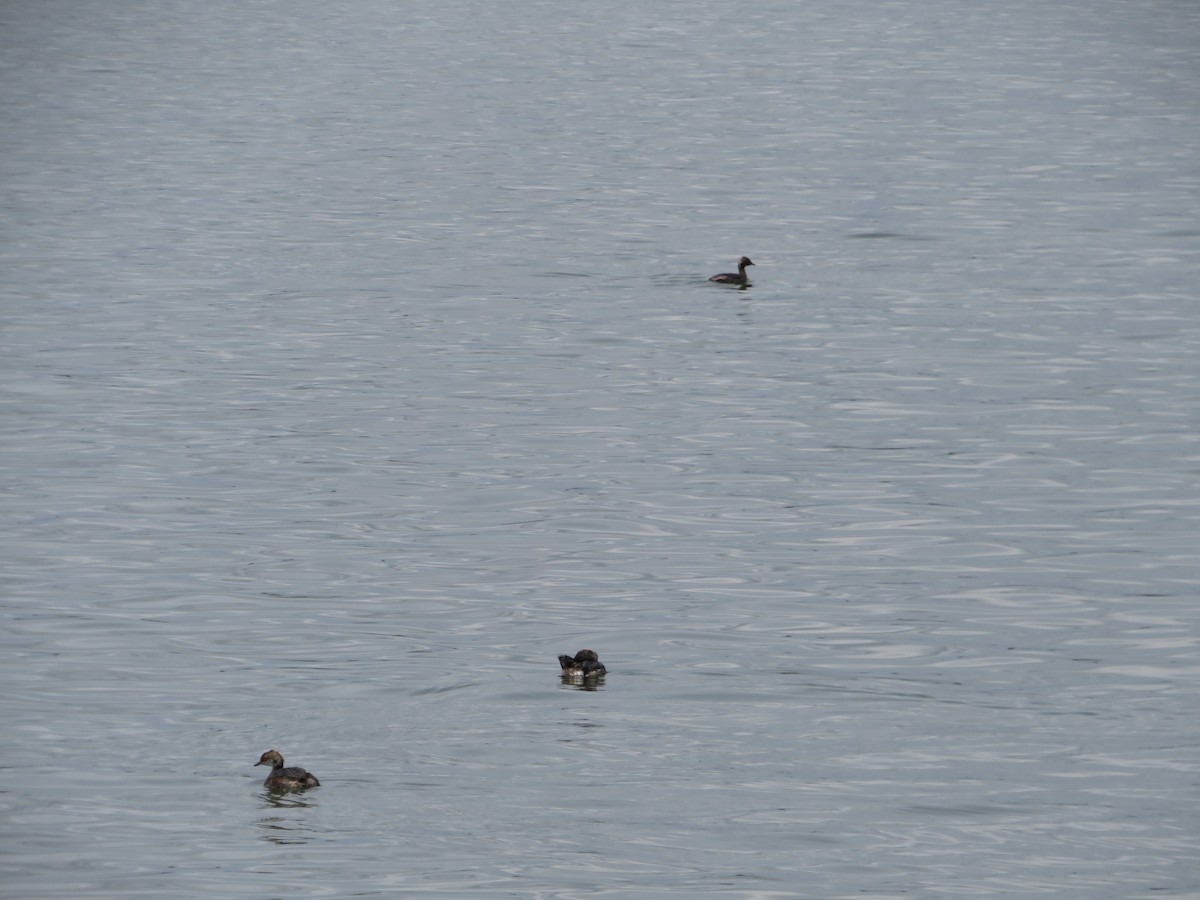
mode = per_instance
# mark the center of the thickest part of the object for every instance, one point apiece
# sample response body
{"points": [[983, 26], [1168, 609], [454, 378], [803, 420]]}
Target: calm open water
{"points": [[358, 359]]}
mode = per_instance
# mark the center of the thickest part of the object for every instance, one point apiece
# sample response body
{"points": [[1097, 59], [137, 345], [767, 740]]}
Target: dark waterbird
{"points": [[293, 778], [585, 664], [740, 278]]}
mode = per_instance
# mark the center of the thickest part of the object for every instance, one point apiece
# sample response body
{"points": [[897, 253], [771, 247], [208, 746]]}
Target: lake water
{"points": [[358, 359]]}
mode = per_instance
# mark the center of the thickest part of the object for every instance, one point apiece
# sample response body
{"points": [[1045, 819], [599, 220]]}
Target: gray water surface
{"points": [[358, 359]]}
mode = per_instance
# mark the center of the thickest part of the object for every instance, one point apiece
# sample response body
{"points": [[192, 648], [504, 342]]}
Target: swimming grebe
{"points": [[584, 664], [292, 778], [739, 278]]}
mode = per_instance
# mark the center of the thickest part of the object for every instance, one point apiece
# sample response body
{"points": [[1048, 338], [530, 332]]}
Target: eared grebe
{"points": [[584, 664], [292, 778], [739, 278]]}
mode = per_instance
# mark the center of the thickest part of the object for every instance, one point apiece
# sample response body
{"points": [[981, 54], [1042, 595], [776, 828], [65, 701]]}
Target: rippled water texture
{"points": [[359, 359]]}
